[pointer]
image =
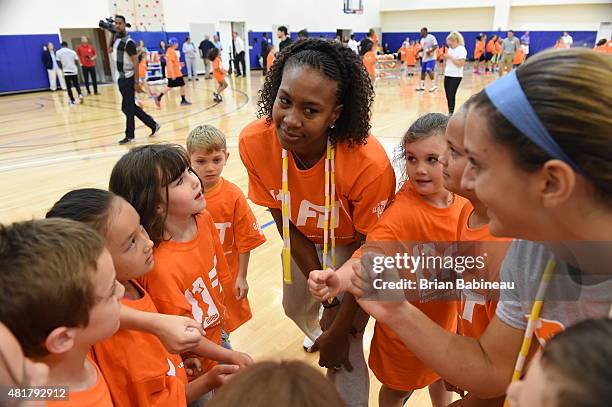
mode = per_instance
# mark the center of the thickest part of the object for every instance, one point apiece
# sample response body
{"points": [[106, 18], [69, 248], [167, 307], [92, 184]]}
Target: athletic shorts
{"points": [[428, 66], [176, 83], [488, 56], [481, 58]]}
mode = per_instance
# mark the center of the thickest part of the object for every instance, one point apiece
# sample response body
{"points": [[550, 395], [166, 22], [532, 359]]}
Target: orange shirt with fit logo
{"points": [[173, 65], [410, 219], [218, 72], [239, 233], [365, 182], [369, 60], [96, 396], [477, 309], [138, 369], [187, 280]]}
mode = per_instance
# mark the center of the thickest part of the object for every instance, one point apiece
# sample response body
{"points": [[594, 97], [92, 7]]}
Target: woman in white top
{"points": [[453, 71]]}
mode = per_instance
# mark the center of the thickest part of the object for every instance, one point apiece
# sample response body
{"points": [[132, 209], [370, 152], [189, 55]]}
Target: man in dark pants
{"points": [[239, 54], [87, 56], [126, 59]]}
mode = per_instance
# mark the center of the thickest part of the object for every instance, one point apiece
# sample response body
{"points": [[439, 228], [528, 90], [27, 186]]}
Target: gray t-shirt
{"points": [[68, 59], [567, 301], [428, 42], [510, 46]]}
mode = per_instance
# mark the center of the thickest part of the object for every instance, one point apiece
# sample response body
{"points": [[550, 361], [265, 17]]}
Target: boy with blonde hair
{"points": [[59, 296], [238, 229]]}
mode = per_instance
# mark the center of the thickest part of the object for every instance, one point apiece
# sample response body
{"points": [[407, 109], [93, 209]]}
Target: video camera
{"points": [[109, 24]]}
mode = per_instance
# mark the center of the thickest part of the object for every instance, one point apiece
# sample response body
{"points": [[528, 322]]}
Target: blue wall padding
{"points": [[539, 40], [22, 67], [27, 72]]}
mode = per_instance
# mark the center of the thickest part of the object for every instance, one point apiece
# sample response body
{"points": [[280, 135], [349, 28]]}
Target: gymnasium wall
{"points": [[479, 18], [560, 17]]}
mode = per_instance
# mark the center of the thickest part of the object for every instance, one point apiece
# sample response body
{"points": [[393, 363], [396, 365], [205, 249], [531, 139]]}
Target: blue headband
{"points": [[508, 97]]}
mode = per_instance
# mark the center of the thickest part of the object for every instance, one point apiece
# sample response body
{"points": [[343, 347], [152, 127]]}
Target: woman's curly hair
{"points": [[339, 63]]}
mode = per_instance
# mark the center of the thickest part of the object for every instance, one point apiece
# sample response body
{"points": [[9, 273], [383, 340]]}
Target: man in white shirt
{"points": [[239, 54], [191, 55], [68, 61], [428, 60], [354, 45], [567, 39]]}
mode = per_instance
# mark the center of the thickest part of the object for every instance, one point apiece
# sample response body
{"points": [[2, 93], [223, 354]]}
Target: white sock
{"points": [[422, 85]]}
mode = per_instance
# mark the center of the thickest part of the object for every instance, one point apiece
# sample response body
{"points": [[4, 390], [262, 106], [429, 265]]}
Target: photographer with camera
{"points": [[126, 60]]}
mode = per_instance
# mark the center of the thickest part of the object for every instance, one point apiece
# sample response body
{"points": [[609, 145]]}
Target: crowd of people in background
{"points": [[492, 54]]}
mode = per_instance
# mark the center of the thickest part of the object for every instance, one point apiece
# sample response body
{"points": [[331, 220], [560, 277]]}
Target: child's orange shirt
{"points": [[138, 369], [187, 279], [476, 310], [402, 51], [365, 182], [239, 233], [173, 65], [142, 67], [491, 47], [218, 71], [411, 219], [440, 52], [369, 60], [411, 52], [519, 55], [270, 58], [479, 49], [498, 48], [96, 396]]}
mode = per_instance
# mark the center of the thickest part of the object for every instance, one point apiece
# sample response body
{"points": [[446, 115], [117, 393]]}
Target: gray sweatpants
{"points": [[303, 309]]}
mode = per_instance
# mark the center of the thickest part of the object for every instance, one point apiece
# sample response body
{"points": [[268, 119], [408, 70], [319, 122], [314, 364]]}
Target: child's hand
{"points": [[220, 375], [241, 290], [178, 334], [241, 359], [193, 367]]}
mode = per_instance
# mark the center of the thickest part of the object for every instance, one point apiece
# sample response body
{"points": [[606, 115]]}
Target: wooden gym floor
{"points": [[48, 148]]}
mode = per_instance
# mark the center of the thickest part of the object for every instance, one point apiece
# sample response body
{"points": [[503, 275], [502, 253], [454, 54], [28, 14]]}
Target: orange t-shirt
{"points": [[138, 369], [479, 49], [96, 396], [239, 233], [411, 219], [411, 52], [491, 47], [173, 65], [518, 57], [498, 48], [187, 280], [142, 68], [440, 52], [402, 53], [369, 59], [270, 59], [607, 47], [476, 310], [218, 72], [365, 182]]}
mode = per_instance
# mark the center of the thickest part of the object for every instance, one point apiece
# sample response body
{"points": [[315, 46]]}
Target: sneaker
{"points": [[197, 79], [185, 102], [216, 97], [308, 345], [81, 98], [420, 88], [125, 140], [155, 130], [433, 88], [219, 98], [96, 93], [72, 103]]}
